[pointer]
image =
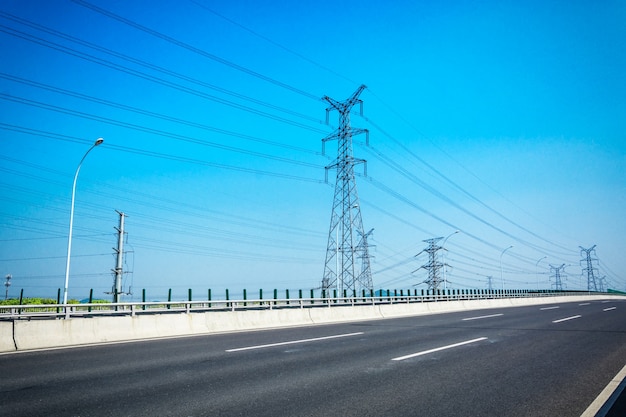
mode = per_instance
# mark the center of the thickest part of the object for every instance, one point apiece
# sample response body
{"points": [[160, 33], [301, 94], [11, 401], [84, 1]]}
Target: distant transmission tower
{"points": [[588, 267], [555, 272], [433, 266], [347, 241], [490, 283]]}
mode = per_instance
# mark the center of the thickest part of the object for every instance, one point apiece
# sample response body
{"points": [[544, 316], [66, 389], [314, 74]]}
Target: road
{"points": [[550, 360]]}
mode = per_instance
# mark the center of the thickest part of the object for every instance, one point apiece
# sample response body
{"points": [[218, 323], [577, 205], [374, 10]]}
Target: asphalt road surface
{"points": [[550, 360]]}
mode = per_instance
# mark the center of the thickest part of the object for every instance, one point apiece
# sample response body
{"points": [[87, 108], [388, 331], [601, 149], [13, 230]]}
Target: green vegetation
{"points": [[31, 301]]}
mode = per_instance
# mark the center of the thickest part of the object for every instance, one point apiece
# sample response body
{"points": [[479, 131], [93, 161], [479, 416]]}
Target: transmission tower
{"points": [[433, 266], [118, 271], [555, 272], [347, 241], [490, 283], [588, 267]]}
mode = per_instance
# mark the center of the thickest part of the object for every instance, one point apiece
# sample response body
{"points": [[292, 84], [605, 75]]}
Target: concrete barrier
{"points": [[402, 310], [446, 306], [37, 334], [336, 314], [6, 336]]}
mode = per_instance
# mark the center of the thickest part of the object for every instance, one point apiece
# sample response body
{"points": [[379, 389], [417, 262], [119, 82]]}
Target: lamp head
{"points": [[98, 142]]}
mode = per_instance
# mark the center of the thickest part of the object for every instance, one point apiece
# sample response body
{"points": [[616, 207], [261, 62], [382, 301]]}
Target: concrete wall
{"points": [[37, 334], [6, 336]]}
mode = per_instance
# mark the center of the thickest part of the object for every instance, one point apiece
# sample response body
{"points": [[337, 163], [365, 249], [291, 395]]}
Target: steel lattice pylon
{"points": [[433, 266], [589, 269], [555, 272], [347, 242]]}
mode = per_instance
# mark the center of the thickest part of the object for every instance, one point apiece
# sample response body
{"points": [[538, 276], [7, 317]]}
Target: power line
{"points": [[130, 71], [195, 50], [388, 161], [265, 38], [154, 114]]}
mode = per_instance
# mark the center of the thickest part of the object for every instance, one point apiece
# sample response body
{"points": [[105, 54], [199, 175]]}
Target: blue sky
{"points": [[504, 120]]}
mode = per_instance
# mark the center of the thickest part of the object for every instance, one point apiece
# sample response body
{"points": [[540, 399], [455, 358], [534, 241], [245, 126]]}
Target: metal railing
{"points": [[52, 311]]}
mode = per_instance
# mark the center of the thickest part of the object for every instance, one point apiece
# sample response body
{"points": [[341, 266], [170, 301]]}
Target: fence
{"points": [[325, 299]]}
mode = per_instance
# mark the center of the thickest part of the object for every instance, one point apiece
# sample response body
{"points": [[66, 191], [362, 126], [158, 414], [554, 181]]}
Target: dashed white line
{"points": [[293, 342], [549, 308], [584, 304], [567, 318], [483, 317], [425, 352], [605, 301], [609, 309]]}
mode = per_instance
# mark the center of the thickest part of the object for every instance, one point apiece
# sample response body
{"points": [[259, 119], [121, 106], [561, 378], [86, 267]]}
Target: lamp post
{"points": [[501, 276], [69, 239], [537, 270], [445, 282]]}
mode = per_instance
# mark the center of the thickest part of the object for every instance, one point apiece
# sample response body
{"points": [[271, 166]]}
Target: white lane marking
{"points": [[483, 317], [584, 304], [401, 358], [605, 395], [293, 342], [609, 309], [605, 301], [567, 318], [549, 308]]}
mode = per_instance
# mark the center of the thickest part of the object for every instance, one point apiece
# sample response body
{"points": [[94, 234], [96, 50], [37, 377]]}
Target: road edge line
{"points": [[606, 399]]}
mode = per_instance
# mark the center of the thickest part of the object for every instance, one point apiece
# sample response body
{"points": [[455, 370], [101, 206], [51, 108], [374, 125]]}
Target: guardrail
{"points": [[67, 311]]}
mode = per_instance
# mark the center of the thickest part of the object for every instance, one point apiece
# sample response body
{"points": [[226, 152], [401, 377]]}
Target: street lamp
{"points": [[445, 282], [537, 270], [69, 239], [501, 277]]}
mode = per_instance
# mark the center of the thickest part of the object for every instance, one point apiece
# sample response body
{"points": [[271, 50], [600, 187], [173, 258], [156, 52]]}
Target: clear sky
{"points": [[504, 120]]}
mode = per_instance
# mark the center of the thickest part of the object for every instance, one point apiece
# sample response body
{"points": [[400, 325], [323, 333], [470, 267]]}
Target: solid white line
{"points": [[293, 342], [401, 358], [609, 309], [483, 317], [567, 318], [549, 308], [606, 393]]}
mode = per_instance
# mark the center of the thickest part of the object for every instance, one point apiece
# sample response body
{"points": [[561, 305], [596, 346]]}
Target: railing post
{"points": [[143, 298]]}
